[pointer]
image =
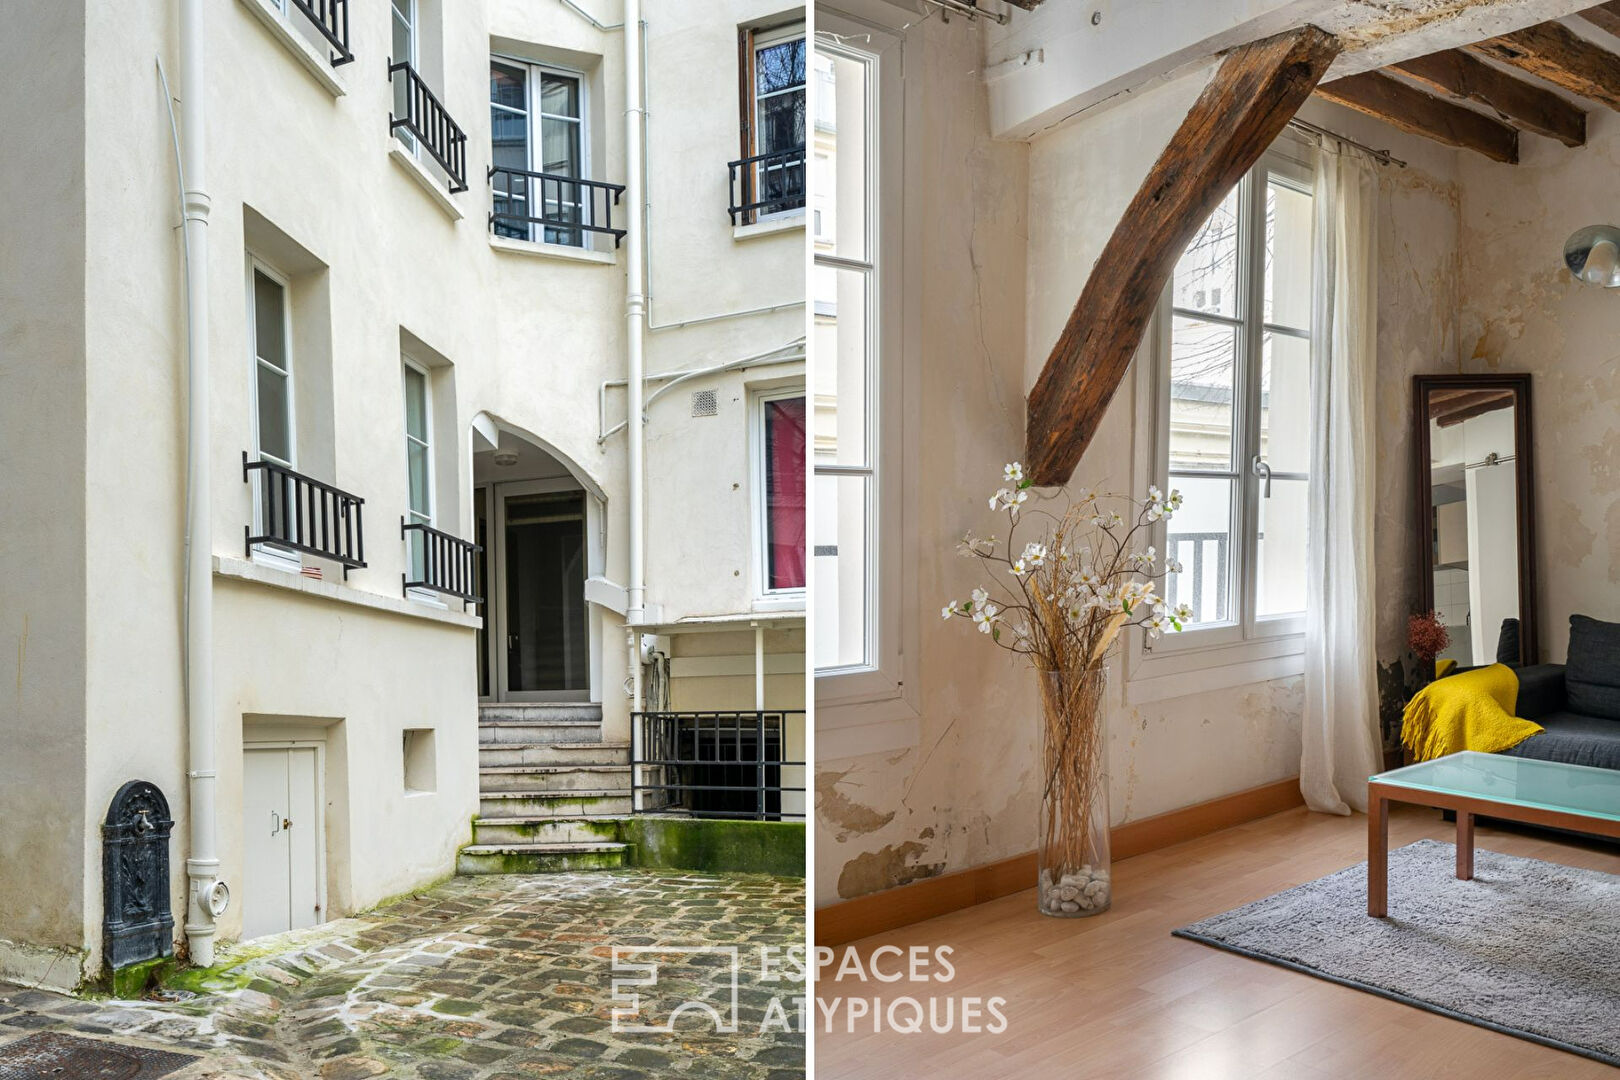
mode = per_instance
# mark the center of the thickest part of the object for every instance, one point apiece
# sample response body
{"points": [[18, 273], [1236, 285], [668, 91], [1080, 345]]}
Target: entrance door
{"points": [[541, 633], [282, 839]]}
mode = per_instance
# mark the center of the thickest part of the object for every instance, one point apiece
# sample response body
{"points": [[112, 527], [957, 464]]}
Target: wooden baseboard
{"points": [[891, 909]]}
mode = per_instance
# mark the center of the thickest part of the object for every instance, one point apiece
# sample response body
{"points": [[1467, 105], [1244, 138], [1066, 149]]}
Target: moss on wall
{"points": [[715, 846]]}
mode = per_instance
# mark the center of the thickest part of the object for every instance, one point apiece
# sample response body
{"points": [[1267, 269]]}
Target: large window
{"points": [[845, 281], [537, 122], [271, 332], [1233, 382], [782, 526]]}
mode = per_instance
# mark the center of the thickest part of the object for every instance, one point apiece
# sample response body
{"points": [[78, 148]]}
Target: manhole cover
{"points": [[51, 1056]]}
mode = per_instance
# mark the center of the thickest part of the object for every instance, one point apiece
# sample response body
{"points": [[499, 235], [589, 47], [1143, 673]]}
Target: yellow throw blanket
{"points": [[1469, 711]]}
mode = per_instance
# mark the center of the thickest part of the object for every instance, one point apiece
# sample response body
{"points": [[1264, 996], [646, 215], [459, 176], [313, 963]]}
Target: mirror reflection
{"points": [[1474, 506]]}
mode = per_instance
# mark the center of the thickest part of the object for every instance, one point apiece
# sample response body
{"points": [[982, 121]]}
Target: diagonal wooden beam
{"points": [[1605, 17], [1514, 100], [1253, 95], [1553, 52], [1410, 109]]}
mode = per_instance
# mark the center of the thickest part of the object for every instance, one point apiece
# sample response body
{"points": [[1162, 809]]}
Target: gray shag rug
{"points": [[1527, 948]]}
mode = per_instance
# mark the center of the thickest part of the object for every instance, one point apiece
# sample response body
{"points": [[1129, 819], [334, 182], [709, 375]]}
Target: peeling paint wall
{"points": [[1522, 311], [964, 794]]}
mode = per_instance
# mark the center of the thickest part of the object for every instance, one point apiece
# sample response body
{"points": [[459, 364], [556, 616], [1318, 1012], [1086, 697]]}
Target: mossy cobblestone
{"points": [[504, 977]]}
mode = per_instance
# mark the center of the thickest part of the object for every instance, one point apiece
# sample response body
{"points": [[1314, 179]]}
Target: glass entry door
{"points": [[541, 633]]}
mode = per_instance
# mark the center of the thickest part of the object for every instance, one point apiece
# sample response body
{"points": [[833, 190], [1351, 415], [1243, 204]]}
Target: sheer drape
{"points": [[1340, 744]]}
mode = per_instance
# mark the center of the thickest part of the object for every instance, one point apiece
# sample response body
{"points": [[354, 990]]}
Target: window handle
{"points": [[1262, 470]]}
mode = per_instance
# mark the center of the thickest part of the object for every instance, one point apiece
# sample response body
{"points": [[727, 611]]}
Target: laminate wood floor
{"points": [[1117, 996]]}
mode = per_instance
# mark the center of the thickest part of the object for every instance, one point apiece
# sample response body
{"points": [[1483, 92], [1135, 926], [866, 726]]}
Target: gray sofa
{"points": [[1578, 701]]}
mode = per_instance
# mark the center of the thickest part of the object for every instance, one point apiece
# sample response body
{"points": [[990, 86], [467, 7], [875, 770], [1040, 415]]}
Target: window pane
{"points": [[778, 67], [416, 456], [416, 404], [275, 428], [1280, 583], [784, 493], [1203, 364], [508, 120], [1288, 257], [841, 571], [1285, 403], [1207, 274], [404, 32], [269, 320], [781, 122], [1199, 536], [842, 141], [559, 95], [842, 369]]}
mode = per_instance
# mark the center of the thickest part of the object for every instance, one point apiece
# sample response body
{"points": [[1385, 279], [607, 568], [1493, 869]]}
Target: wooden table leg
{"points": [[1377, 856], [1465, 846]]}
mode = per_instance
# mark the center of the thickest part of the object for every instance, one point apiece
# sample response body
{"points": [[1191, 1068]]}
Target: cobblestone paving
{"points": [[486, 978]]}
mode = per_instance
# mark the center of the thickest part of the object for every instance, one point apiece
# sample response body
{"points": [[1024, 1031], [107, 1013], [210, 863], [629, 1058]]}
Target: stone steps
{"points": [[553, 804], [494, 779], [540, 858], [554, 753], [540, 829]]}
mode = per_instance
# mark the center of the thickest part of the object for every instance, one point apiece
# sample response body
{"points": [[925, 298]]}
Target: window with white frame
{"points": [[403, 47], [274, 420], [773, 121], [780, 439], [538, 132], [418, 463], [1232, 381]]}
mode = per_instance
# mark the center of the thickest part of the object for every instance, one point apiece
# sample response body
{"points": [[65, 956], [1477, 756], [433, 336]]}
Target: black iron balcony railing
{"points": [[563, 207], [428, 124], [440, 562], [331, 18], [299, 513], [766, 184], [719, 764]]}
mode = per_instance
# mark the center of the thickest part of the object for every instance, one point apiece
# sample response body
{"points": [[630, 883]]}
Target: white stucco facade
{"points": [[520, 342]]}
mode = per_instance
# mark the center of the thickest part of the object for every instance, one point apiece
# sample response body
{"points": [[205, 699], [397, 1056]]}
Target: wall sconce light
{"points": [[1593, 255], [505, 458]]}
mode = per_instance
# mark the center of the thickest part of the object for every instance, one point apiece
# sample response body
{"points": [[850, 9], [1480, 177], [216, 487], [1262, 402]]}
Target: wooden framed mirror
{"points": [[1474, 488]]}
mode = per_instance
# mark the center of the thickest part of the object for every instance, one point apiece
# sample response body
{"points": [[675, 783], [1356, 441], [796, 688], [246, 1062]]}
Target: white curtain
{"points": [[1339, 733]]}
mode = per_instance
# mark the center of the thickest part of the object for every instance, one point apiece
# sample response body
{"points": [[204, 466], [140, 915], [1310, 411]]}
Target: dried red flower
{"points": [[1426, 636]]}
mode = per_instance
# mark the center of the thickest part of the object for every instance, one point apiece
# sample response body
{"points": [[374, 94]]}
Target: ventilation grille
{"points": [[704, 403]]}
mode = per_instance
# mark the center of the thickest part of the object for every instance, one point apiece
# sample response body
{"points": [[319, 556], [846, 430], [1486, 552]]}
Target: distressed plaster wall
{"points": [[1522, 311], [964, 794]]}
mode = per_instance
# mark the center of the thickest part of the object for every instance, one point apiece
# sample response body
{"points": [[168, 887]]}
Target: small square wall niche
{"points": [[421, 761]]}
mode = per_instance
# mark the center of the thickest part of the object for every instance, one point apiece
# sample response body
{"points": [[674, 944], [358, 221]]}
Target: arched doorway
{"points": [[539, 524]]}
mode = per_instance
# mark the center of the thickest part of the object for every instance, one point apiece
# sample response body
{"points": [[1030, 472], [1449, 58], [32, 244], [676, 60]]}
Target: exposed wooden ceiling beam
{"points": [[1605, 17], [1514, 100], [1553, 52], [1410, 109], [1254, 94]]}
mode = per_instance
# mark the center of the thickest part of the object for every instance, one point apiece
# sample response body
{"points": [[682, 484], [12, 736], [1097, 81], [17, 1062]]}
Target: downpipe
{"points": [[635, 322]]}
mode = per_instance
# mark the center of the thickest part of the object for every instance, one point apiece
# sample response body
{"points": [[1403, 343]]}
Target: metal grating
{"points": [[54, 1056], [704, 403]]}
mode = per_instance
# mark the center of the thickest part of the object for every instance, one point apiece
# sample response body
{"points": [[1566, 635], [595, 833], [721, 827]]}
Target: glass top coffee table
{"points": [[1576, 797]]}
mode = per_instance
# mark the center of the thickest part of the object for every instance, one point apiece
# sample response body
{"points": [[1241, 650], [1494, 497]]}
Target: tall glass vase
{"points": [[1075, 876]]}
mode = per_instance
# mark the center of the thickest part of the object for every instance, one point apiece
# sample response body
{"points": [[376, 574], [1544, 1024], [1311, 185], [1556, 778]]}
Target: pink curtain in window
{"points": [[784, 492]]}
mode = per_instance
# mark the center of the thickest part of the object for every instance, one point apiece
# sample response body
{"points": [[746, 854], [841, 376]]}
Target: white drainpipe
{"points": [[635, 317], [207, 895]]}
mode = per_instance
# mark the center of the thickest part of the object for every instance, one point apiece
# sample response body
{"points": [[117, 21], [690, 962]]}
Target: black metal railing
{"points": [[1207, 588], [331, 18], [766, 184], [299, 513], [440, 562], [718, 764], [429, 124], [568, 206]]}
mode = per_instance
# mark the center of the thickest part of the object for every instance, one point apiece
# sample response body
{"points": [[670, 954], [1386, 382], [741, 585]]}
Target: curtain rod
{"points": [[970, 9], [1384, 157]]}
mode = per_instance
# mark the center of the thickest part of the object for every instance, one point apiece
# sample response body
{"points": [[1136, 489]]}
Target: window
{"points": [[271, 329], [773, 121], [552, 120], [418, 465], [782, 529], [1233, 378], [404, 51]]}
